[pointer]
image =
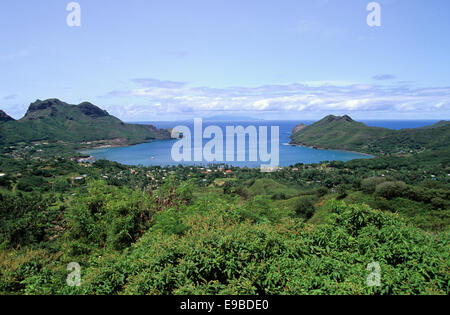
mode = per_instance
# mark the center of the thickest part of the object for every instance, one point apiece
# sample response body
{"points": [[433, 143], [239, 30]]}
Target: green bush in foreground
{"points": [[24, 220], [166, 242], [221, 254]]}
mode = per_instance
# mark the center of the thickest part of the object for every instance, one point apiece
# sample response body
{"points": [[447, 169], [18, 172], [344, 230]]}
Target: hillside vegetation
{"points": [[344, 133], [53, 120]]}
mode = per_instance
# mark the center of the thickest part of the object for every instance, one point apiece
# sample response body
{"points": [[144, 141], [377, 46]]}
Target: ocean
{"points": [[158, 152]]}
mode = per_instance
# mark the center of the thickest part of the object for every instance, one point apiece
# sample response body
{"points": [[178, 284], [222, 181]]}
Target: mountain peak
{"points": [[54, 107], [41, 105], [331, 118], [4, 117], [347, 118], [47, 108], [91, 110]]}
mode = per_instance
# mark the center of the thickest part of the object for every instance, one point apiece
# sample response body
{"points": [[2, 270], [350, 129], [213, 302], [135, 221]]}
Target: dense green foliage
{"points": [[217, 245], [25, 219]]}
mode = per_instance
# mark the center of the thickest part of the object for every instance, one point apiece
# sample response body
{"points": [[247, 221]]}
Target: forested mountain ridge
{"points": [[54, 120], [347, 134]]}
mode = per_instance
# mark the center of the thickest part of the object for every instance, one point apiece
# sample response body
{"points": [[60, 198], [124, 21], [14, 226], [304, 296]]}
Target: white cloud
{"points": [[178, 97]]}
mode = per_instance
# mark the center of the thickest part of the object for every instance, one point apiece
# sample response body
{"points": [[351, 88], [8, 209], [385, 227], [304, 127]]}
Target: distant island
{"points": [[231, 118]]}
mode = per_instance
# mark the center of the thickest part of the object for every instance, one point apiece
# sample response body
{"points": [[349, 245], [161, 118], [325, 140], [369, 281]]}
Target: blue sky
{"points": [[278, 59]]}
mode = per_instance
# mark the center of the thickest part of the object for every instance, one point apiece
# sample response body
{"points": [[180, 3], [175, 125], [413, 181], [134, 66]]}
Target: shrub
{"points": [[342, 192], [369, 185], [4, 181], [257, 210], [25, 272], [25, 219], [390, 190], [304, 208], [31, 183], [438, 203], [109, 216], [321, 191], [169, 221]]}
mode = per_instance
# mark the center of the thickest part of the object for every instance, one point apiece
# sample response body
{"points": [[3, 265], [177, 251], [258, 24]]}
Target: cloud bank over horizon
{"points": [[152, 97]]}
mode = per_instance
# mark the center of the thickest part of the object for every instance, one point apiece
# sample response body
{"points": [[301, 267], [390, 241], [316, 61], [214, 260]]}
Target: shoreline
{"points": [[109, 146], [328, 149]]}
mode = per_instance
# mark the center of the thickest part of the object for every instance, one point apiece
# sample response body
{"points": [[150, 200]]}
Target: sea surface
{"points": [[158, 152]]}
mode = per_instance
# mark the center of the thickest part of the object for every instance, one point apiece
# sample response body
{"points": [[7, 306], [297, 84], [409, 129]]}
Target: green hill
{"points": [[441, 123], [54, 120], [344, 133]]}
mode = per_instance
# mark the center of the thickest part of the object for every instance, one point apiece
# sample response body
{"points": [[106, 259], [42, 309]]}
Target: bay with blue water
{"points": [[158, 152]]}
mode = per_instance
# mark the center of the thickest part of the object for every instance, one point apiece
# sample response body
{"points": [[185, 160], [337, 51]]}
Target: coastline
{"points": [[329, 149], [85, 147]]}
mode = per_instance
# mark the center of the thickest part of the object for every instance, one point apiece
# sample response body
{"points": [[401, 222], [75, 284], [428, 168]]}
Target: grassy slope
{"points": [[347, 134]]}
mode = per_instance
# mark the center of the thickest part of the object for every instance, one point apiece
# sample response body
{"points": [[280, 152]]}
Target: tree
{"points": [[304, 208], [368, 185], [390, 190]]}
